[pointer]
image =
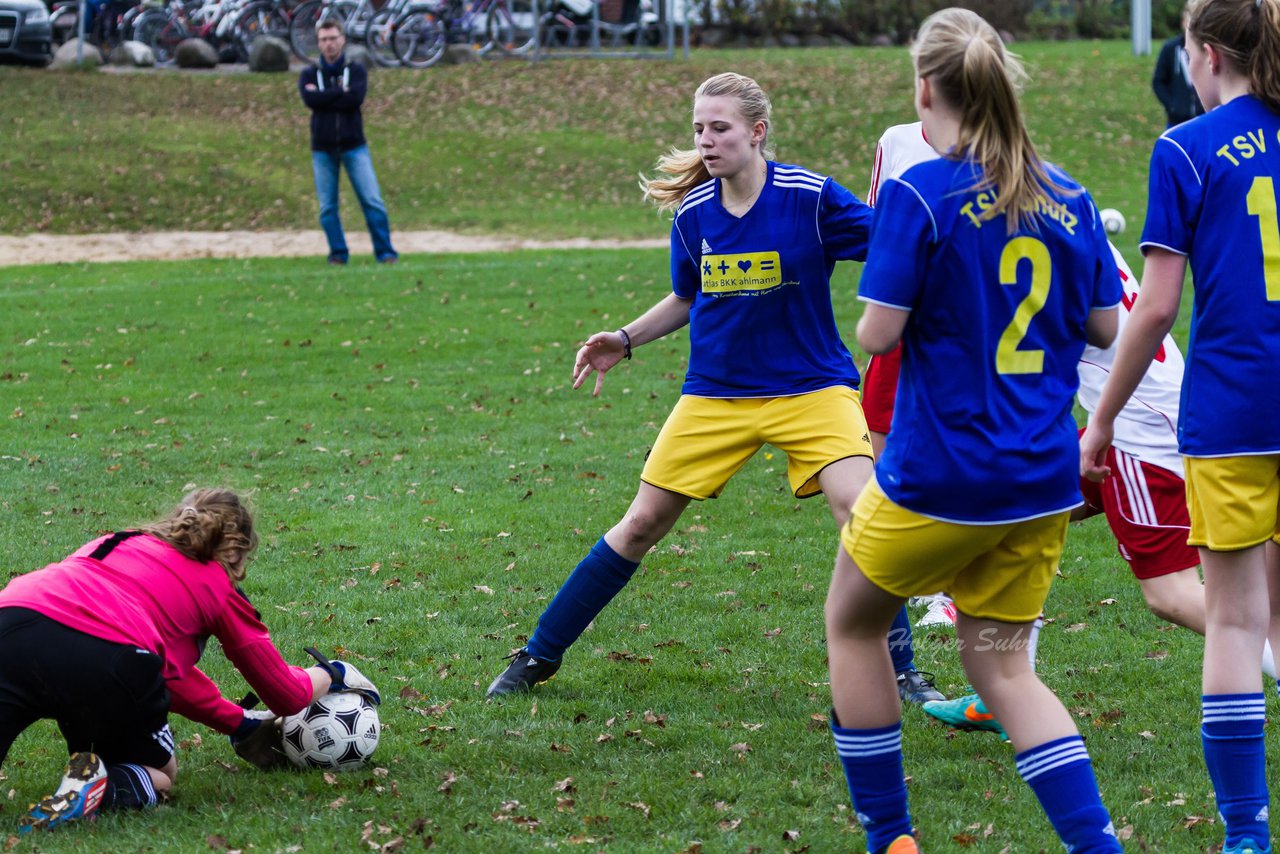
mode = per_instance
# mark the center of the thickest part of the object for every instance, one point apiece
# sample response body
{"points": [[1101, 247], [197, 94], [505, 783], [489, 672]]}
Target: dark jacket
{"points": [[1171, 85], [336, 124]]}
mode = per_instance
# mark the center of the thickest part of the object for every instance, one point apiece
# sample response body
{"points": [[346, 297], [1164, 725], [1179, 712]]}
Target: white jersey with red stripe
{"points": [[900, 147], [1147, 426]]}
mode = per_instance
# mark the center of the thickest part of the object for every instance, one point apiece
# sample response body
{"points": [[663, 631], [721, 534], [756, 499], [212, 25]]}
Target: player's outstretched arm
{"points": [[603, 350]]}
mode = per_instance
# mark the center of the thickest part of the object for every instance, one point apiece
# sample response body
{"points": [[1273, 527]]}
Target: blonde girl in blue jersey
{"points": [[753, 245], [992, 269], [1213, 202]]}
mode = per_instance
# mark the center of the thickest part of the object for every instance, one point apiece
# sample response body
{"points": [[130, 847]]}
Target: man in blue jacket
{"points": [[334, 90]]}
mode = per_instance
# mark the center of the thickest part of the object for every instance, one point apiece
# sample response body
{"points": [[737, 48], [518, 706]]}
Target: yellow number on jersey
{"points": [[1262, 204], [1009, 359]]}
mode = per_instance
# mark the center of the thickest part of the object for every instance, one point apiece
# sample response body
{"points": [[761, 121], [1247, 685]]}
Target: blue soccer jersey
{"points": [[1212, 197], [982, 430], [761, 323]]}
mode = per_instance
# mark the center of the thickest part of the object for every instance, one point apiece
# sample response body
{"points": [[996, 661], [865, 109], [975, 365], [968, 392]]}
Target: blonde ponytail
{"points": [[968, 67]]}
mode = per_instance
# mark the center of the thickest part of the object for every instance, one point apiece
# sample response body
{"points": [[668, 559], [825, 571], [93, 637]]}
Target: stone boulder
{"points": [[195, 53], [268, 53], [135, 54], [65, 56]]}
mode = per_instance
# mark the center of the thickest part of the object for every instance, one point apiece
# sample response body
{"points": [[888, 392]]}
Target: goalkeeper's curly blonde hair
{"points": [[210, 525]]}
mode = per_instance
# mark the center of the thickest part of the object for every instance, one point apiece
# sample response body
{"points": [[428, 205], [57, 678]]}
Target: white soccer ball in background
{"points": [[337, 731], [1112, 220]]}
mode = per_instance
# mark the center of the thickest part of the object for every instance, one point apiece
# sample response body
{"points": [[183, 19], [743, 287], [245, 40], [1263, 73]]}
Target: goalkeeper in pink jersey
{"points": [[109, 639]]}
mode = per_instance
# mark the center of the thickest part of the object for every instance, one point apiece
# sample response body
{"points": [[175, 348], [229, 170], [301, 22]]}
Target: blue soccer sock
{"points": [[1061, 775], [900, 645], [872, 760], [128, 787], [592, 585], [1236, 756]]}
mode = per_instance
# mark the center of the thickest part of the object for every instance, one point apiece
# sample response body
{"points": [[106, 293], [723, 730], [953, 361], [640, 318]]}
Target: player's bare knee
{"points": [[162, 779], [641, 528]]}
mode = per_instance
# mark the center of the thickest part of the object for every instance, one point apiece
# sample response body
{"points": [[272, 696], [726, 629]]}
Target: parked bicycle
{"points": [[354, 15], [112, 23], [421, 34], [164, 28]]}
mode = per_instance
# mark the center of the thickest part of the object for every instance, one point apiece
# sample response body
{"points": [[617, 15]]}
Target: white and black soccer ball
{"points": [[1112, 220], [337, 731]]}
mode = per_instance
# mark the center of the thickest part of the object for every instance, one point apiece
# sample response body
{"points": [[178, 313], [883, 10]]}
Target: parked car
{"points": [[25, 34]]}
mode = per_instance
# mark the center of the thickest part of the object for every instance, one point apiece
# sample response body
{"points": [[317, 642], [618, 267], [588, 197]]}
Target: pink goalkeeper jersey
{"points": [[136, 589]]}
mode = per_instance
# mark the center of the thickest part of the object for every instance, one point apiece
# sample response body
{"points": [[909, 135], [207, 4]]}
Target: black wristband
{"points": [[626, 343]]}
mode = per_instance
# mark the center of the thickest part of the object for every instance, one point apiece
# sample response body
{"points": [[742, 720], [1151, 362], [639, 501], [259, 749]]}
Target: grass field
{"points": [[425, 477]]}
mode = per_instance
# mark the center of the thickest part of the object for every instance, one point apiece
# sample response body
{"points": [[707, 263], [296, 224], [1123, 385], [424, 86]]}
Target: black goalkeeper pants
{"points": [[106, 697]]}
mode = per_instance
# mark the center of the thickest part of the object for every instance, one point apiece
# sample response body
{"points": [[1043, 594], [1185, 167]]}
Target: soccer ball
{"points": [[1112, 220], [337, 731]]}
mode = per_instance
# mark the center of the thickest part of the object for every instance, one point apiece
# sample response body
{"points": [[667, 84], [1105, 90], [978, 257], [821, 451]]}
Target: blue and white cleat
{"points": [[1247, 846], [83, 786]]}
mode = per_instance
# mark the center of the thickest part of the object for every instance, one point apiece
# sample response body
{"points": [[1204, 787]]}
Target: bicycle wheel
{"points": [[257, 18], [302, 29], [377, 38], [418, 38], [161, 32], [509, 26]]}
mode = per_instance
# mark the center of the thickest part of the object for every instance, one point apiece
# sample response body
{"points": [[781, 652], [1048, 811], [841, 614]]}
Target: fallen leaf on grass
{"points": [[449, 779], [481, 588], [641, 806], [730, 824], [1157, 654], [565, 785], [741, 748], [217, 843]]}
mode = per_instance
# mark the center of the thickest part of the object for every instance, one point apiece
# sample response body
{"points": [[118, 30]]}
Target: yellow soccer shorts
{"points": [[1234, 502], [705, 440], [993, 572]]}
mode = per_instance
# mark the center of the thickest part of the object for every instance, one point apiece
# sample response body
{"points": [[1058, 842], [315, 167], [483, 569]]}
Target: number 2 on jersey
{"points": [[1009, 359], [1262, 204]]}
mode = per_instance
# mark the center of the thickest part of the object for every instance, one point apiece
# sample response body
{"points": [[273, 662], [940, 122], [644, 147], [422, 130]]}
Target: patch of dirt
{"points": [[179, 245]]}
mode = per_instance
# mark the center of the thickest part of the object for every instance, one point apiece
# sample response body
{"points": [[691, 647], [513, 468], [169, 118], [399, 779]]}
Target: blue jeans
{"points": [[359, 166]]}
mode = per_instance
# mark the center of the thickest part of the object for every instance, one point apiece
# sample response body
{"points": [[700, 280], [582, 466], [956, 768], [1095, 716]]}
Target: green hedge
{"points": [[865, 21]]}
